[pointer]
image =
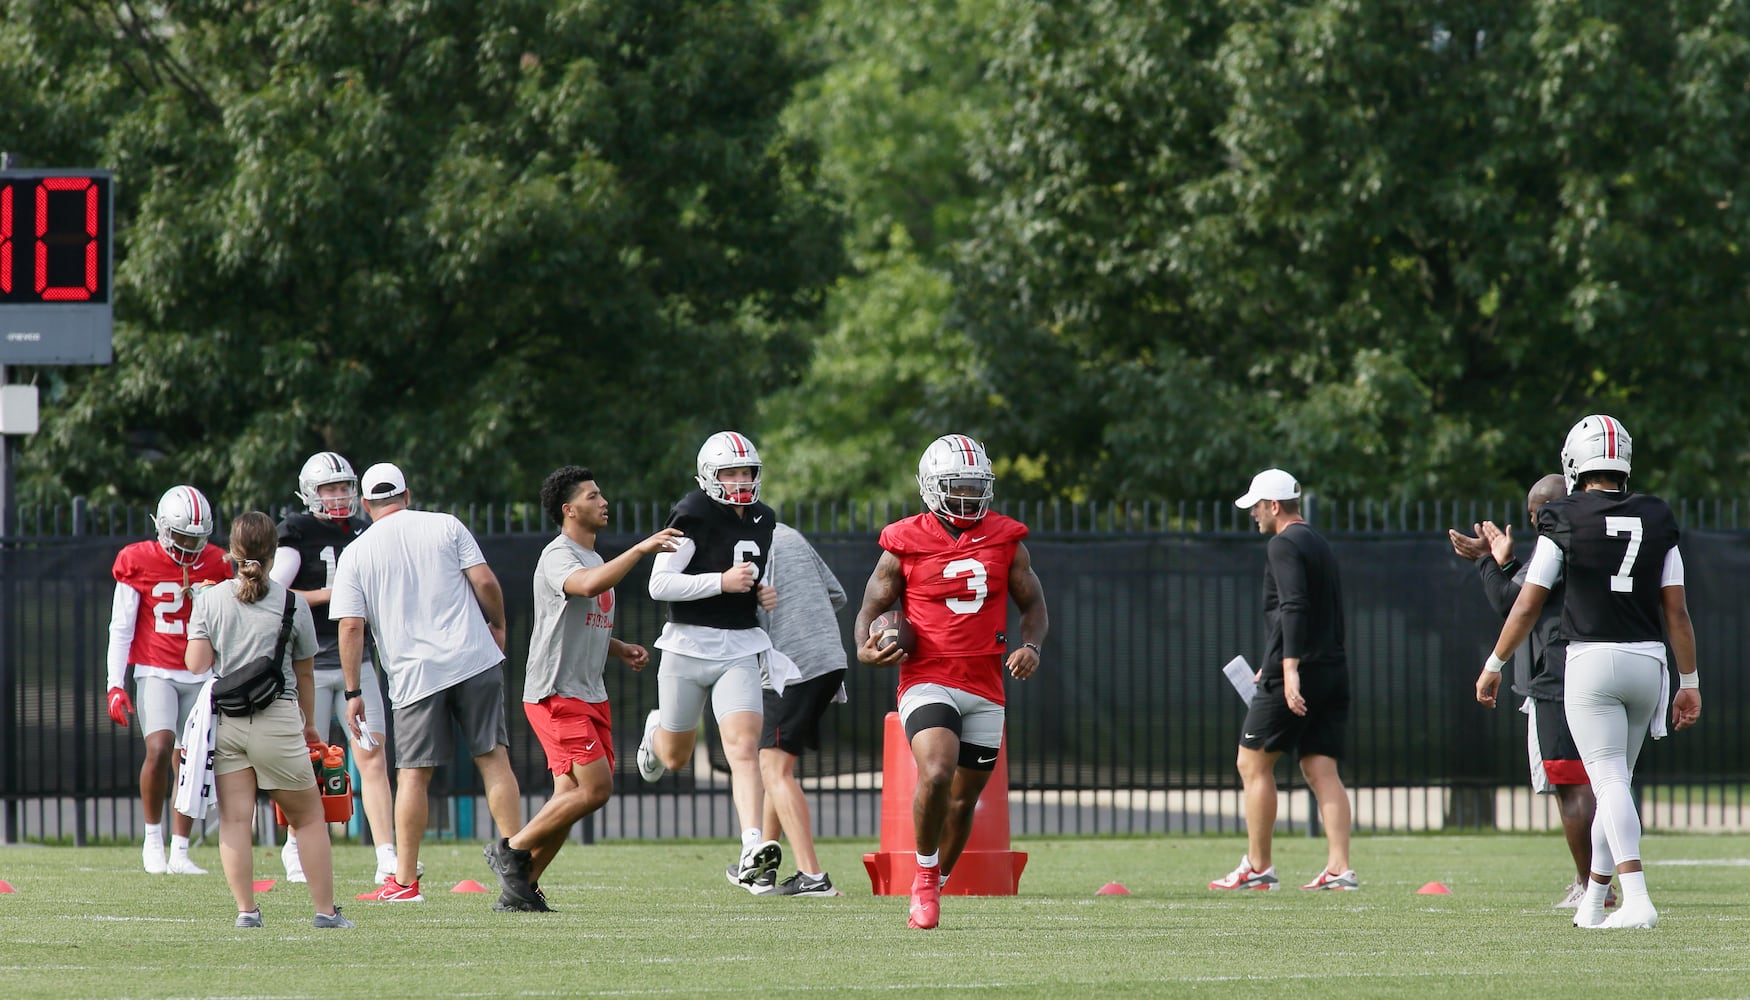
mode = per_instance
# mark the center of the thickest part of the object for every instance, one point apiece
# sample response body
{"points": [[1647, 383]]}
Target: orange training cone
{"points": [[6, 886], [986, 867], [468, 885], [264, 884], [1112, 889], [1434, 889]]}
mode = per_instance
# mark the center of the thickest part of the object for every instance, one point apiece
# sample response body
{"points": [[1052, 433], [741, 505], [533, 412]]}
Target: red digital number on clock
{"points": [[87, 287]]}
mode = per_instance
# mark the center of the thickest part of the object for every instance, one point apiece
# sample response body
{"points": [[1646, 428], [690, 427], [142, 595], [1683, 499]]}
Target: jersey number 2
{"points": [[975, 575], [1624, 582], [167, 600]]}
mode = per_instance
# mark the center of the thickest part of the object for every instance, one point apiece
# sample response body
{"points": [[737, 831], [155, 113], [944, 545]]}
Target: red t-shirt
{"points": [[161, 629], [957, 598]]}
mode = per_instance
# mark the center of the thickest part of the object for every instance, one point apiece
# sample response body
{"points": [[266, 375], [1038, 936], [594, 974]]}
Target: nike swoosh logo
{"points": [[987, 760], [587, 747], [758, 517], [980, 538], [1249, 736]]}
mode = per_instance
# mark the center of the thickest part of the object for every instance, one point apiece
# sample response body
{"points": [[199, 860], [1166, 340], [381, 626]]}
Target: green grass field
{"points": [[657, 919]]}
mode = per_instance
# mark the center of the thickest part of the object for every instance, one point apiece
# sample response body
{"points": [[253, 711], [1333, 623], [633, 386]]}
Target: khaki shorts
{"points": [[271, 741]]}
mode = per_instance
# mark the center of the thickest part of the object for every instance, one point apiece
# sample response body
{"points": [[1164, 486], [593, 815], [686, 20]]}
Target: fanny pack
{"points": [[260, 682]]}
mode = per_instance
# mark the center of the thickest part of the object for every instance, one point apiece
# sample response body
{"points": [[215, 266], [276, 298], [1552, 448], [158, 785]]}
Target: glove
{"points": [[120, 706]]}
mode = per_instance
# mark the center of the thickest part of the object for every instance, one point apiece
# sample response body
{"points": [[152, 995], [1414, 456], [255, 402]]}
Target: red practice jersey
{"points": [[957, 598], [161, 630]]}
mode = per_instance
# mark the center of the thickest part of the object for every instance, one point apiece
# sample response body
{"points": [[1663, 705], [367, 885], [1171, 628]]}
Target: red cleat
{"points": [[926, 900]]}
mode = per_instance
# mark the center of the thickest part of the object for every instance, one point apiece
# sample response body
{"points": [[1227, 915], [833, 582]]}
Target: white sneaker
{"points": [[293, 861], [1634, 916], [1246, 877], [1575, 896], [182, 864], [1588, 917], [649, 765], [153, 857]]}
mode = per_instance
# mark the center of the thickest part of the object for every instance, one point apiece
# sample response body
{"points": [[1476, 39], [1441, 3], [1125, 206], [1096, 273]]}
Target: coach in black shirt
{"points": [[1302, 701]]}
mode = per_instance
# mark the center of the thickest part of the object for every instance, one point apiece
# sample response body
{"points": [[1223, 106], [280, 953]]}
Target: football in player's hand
{"points": [[893, 627]]}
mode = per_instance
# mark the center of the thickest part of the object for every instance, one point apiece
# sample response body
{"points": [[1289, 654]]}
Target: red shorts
{"points": [[572, 731]]}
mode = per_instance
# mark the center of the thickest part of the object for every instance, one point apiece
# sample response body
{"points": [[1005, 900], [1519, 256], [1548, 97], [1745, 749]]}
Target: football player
{"points": [[155, 581], [1617, 552], [956, 566], [310, 543], [712, 643]]}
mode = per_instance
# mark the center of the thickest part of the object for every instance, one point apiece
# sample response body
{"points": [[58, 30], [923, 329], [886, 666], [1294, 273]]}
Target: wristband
{"points": [[1035, 648], [1688, 682], [355, 693], [1494, 663]]}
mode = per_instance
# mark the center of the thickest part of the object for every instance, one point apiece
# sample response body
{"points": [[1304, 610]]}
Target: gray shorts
{"points": [[682, 682], [981, 720], [423, 730], [331, 701], [165, 704]]}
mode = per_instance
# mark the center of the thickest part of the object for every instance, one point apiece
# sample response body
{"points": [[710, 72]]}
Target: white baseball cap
{"points": [[382, 481], [1271, 484]]}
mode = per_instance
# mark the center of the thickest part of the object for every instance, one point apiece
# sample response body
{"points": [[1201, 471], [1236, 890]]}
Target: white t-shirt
{"points": [[404, 577]]}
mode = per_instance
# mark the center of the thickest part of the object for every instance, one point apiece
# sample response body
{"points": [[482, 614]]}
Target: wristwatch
{"points": [[355, 693], [1035, 648]]}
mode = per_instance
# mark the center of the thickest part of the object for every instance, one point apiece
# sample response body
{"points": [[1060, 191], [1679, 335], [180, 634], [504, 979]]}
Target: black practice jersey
{"points": [[318, 542], [1613, 548], [720, 540]]}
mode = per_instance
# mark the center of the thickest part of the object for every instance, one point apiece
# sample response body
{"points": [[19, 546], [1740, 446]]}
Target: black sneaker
{"points": [[754, 859], [510, 904], [513, 868], [765, 883], [802, 885]]}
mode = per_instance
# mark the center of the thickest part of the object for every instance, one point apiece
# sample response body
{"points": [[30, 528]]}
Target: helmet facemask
{"points": [[956, 481], [184, 520]]}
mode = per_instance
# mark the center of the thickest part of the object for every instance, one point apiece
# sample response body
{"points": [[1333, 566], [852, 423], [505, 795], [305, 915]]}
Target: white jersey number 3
{"points": [[976, 576], [1624, 582]]}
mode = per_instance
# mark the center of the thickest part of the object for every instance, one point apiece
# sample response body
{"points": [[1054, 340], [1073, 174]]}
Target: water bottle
{"points": [[316, 755], [334, 771]]}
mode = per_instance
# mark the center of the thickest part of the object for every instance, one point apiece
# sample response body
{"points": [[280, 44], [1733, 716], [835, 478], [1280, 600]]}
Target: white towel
{"points": [[780, 670], [200, 738], [1656, 728]]}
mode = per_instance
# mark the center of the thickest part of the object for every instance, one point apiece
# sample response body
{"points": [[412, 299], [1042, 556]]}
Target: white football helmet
{"points": [[184, 520], [323, 468], [955, 480], [729, 450], [1596, 443]]}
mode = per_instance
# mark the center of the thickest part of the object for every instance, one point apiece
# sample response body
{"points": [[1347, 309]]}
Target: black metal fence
{"points": [[1129, 726]]}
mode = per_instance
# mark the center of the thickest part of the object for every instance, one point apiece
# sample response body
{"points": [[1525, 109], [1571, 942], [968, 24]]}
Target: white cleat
{"points": [[1632, 917], [152, 855], [650, 766], [182, 864]]}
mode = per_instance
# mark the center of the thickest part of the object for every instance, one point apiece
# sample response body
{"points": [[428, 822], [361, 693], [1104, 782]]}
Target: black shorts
{"points": [[1322, 731], [793, 721], [1555, 760]]}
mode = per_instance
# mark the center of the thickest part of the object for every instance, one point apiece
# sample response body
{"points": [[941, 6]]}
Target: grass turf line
{"points": [[657, 919]]}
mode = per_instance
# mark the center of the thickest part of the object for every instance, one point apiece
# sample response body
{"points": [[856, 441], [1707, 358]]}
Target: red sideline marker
{"points": [[264, 884], [1112, 889], [1434, 889], [468, 885]]}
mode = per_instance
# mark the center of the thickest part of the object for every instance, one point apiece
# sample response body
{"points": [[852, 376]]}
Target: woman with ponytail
{"points": [[233, 623]]}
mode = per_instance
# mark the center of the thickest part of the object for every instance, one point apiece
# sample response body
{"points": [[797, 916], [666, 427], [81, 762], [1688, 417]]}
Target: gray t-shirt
{"points": [[241, 632], [568, 649], [805, 625]]}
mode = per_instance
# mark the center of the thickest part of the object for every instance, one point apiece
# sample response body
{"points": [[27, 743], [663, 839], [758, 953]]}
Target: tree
{"points": [[1395, 247], [478, 238], [891, 112]]}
